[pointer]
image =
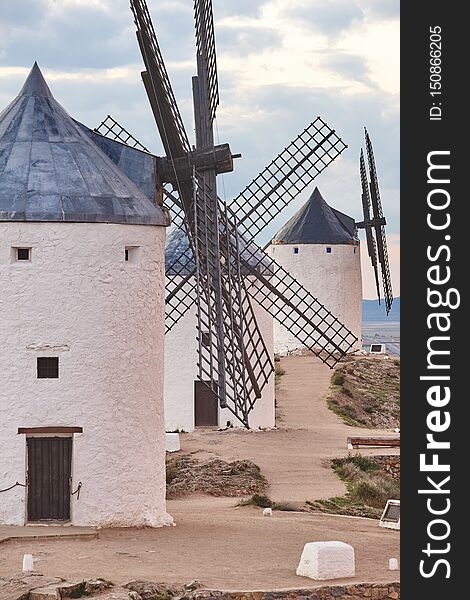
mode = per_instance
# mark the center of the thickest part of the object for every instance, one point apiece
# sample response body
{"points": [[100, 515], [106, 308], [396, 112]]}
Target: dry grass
{"points": [[368, 489], [366, 392], [265, 502]]}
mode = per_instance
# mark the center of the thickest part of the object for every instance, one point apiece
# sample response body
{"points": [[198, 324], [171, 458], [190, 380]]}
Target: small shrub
{"points": [[338, 378], [350, 411], [362, 462], [258, 500], [278, 371], [172, 471]]}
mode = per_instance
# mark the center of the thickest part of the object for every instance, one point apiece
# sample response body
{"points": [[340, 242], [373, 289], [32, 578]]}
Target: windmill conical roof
{"points": [[317, 223], [50, 170]]}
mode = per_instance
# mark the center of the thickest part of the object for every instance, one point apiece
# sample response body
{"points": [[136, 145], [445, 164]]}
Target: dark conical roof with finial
{"points": [[51, 170], [317, 223]]}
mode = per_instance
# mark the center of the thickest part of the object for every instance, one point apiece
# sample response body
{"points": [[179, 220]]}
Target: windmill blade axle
{"points": [[371, 223], [218, 158]]}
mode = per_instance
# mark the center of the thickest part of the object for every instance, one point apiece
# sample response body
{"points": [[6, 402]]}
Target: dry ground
{"points": [[226, 547], [221, 546]]}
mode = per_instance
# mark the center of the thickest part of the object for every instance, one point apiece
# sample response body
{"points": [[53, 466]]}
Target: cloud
{"points": [[242, 42], [22, 12], [383, 9], [249, 8], [350, 66], [330, 17], [69, 35]]}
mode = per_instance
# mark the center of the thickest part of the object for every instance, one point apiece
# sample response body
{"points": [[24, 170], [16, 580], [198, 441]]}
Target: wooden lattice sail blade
{"points": [[286, 177], [158, 86], [113, 130], [379, 226], [205, 40], [294, 307], [371, 246]]}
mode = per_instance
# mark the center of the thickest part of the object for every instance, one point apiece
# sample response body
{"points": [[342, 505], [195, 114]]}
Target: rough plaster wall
{"points": [[334, 279], [105, 316], [181, 370]]}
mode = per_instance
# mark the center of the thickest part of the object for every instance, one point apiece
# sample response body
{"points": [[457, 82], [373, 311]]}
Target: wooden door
{"points": [[49, 472], [206, 407]]}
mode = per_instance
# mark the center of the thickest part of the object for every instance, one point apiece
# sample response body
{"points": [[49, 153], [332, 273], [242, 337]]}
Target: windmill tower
{"points": [[82, 302], [320, 248]]}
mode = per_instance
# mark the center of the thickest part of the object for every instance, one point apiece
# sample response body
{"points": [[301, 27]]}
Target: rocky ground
{"points": [[38, 587], [365, 391], [186, 475]]}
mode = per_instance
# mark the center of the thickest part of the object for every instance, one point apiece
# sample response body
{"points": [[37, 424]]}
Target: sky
{"points": [[281, 63]]}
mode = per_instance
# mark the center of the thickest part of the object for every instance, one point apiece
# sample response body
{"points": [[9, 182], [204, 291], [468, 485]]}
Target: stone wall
{"points": [[371, 591], [33, 586], [389, 464]]}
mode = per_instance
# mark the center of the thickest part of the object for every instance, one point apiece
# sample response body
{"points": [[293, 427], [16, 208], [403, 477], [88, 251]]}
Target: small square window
{"points": [[328, 250], [48, 367], [23, 254], [296, 250], [131, 254]]}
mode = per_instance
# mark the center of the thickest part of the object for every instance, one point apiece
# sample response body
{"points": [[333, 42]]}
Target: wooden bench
{"points": [[382, 441]]}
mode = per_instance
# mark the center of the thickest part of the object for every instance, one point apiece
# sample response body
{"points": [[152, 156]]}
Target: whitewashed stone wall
{"points": [[103, 317], [181, 370], [335, 279]]}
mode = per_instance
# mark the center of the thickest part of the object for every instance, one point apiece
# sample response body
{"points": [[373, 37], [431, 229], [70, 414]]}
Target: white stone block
{"points": [[172, 442], [327, 560], [268, 512], [28, 563], [393, 564]]}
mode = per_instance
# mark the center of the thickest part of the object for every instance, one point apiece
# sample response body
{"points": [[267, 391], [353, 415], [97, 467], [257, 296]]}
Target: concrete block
{"points": [[28, 563], [172, 442], [393, 564], [327, 560]]}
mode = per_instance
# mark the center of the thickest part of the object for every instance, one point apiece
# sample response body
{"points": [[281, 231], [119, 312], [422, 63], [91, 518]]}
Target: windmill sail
{"points": [[371, 249], [229, 270], [379, 226]]}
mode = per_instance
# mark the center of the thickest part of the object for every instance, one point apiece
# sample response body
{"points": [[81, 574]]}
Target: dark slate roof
{"points": [[139, 166], [50, 169], [177, 243], [317, 223]]}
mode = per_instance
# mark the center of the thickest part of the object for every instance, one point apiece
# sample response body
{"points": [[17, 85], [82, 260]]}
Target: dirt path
{"points": [[221, 546], [292, 457]]}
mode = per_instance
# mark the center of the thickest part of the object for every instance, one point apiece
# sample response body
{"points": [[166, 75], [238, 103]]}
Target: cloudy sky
{"points": [[281, 63]]}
